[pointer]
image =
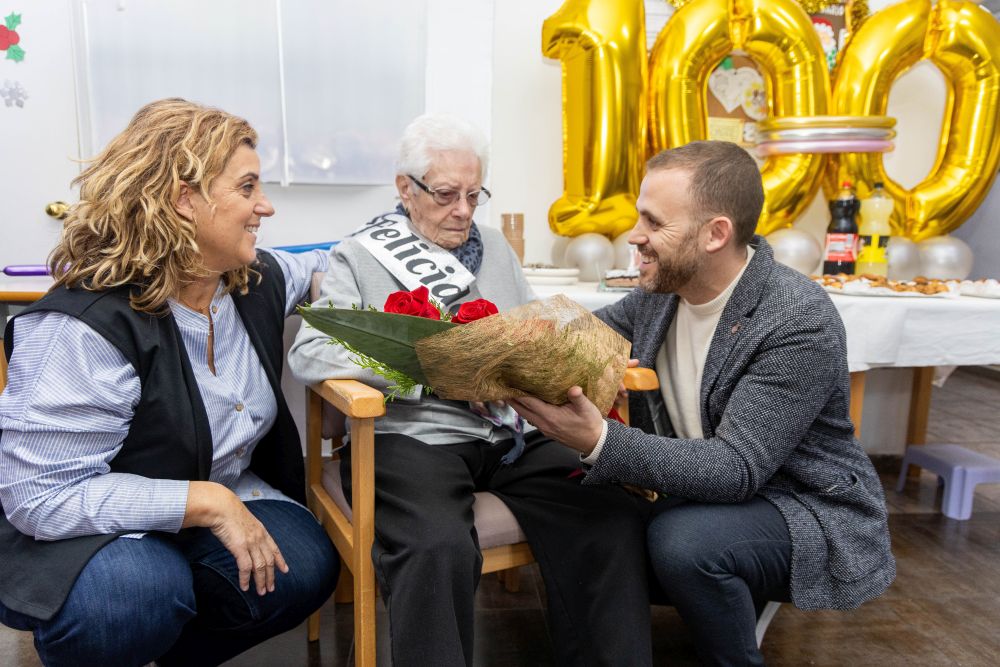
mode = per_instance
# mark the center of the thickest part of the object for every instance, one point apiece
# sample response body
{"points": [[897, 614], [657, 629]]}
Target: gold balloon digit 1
{"points": [[602, 46], [779, 36], [963, 41]]}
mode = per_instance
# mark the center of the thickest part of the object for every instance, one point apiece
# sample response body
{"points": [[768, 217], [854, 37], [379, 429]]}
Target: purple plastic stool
{"points": [[959, 468]]}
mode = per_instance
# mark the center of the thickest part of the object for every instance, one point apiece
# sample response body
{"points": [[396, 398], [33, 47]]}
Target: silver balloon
{"points": [[945, 258], [624, 251], [592, 253], [903, 258], [797, 249], [558, 255]]}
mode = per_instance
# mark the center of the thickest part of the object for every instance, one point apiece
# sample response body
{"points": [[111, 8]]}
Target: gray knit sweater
{"points": [[356, 277]]}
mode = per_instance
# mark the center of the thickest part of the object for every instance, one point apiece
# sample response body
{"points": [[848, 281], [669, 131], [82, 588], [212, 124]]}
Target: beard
{"points": [[675, 271]]}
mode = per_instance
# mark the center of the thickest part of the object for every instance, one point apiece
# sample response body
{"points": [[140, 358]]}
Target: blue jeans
{"points": [[176, 599], [719, 565]]}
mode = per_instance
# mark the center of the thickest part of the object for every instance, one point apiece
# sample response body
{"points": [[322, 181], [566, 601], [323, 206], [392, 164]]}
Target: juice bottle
{"points": [[874, 233], [842, 234]]}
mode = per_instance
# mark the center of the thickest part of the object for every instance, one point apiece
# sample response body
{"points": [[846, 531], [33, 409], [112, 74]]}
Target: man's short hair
{"points": [[725, 181]]}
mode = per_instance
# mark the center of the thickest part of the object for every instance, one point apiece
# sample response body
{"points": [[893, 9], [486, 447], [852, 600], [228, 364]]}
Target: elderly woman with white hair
{"points": [[433, 454]]}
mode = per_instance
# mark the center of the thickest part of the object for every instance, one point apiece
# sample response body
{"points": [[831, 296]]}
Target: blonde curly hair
{"points": [[125, 230]]}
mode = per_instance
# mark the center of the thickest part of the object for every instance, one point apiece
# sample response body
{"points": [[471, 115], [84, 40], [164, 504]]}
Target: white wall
{"points": [[459, 81], [460, 64], [527, 122], [38, 143], [39, 140]]}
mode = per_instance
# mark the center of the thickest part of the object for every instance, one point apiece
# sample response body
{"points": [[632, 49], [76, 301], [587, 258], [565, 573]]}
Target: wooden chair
{"points": [[352, 526]]}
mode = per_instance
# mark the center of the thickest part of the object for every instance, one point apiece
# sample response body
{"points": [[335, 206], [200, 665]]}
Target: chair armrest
{"points": [[356, 399], [641, 379], [352, 398], [637, 379]]}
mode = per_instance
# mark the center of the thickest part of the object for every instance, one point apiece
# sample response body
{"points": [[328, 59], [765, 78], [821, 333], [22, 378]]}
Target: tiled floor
{"points": [[943, 609]]}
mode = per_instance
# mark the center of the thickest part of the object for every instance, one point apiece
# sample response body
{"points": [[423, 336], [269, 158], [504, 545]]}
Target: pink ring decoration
{"points": [[829, 146]]}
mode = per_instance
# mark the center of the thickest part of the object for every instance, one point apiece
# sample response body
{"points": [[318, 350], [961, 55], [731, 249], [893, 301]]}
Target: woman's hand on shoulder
{"points": [[215, 507]]}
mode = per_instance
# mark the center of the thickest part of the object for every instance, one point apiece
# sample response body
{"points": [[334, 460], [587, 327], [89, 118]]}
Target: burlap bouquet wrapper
{"points": [[540, 349]]}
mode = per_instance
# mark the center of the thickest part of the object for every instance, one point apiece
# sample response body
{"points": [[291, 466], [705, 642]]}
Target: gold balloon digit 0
{"points": [[963, 41], [780, 38], [602, 46]]}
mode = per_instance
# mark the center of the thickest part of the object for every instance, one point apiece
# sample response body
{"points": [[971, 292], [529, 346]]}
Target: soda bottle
{"points": [[842, 233], [873, 233]]}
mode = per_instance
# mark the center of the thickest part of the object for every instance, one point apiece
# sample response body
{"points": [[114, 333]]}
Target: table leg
{"points": [[920, 405], [857, 400]]}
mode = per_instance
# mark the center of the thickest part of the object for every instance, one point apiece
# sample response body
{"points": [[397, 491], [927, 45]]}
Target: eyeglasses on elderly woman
{"points": [[447, 196]]}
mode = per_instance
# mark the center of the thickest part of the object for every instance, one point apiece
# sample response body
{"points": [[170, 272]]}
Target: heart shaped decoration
{"points": [[729, 86]]}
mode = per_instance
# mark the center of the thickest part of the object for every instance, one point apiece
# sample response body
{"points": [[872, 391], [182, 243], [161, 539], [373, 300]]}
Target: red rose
{"points": [[8, 38], [474, 310], [412, 303]]}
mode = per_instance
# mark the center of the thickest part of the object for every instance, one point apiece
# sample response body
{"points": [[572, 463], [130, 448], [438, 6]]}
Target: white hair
{"points": [[432, 133]]}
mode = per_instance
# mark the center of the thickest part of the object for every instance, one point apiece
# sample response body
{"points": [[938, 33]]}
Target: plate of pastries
{"points": [[868, 284]]}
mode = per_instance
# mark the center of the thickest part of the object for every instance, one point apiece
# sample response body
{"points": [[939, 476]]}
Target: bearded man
{"points": [[765, 492]]}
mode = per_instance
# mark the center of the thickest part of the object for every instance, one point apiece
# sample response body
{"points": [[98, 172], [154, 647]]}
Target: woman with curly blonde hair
{"points": [[150, 471], [126, 228]]}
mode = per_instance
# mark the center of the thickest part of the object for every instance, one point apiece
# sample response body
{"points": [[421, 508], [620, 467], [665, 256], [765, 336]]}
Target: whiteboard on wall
{"points": [[329, 85]]}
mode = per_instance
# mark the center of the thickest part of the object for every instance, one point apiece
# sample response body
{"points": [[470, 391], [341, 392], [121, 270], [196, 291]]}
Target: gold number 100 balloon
{"points": [[602, 46], [607, 96]]}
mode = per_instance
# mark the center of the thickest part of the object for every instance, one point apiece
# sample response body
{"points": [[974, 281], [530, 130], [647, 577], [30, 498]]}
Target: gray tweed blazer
{"points": [[774, 411]]}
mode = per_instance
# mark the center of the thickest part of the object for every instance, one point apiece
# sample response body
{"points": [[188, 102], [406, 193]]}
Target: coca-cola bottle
{"points": [[842, 234]]}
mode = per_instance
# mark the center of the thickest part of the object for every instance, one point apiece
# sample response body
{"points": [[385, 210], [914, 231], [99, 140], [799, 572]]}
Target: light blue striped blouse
{"points": [[69, 401]]}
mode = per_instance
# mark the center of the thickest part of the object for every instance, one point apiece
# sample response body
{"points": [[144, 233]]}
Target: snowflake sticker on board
{"points": [[13, 93], [9, 39]]}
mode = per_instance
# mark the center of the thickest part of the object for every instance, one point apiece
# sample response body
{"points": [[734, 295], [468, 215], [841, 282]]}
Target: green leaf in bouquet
{"points": [[388, 337]]}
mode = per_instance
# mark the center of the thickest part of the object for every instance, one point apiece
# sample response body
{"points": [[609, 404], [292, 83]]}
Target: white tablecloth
{"points": [[884, 331]]}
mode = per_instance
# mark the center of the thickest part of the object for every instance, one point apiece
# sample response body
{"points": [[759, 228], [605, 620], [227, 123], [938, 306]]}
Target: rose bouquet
{"points": [[541, 348]]}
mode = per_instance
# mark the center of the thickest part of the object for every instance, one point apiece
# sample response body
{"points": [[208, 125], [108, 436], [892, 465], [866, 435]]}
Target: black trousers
{"points": [[589, 542], [719, 564]]}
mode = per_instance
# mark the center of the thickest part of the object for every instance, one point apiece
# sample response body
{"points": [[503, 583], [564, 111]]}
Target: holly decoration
{"points": [[9, 39]]}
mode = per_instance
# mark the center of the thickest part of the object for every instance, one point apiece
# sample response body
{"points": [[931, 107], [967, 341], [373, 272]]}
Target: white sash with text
{"points": [[412, 259]]}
